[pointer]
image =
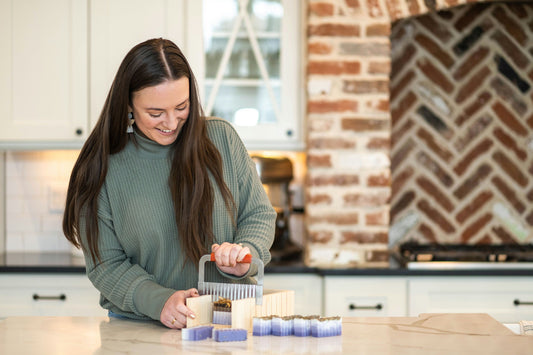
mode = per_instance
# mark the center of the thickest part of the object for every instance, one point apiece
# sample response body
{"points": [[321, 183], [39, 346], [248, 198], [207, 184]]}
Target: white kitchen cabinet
{"points": [[361, 296], [464, 294], [48, 295], [307, 291], [60, 58], [246, 57], [118, 25], [43, 70]]}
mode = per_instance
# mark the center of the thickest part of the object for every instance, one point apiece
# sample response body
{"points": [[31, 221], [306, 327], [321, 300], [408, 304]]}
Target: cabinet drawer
{"points": [[495, 296], [48, 295], [364, 296]]}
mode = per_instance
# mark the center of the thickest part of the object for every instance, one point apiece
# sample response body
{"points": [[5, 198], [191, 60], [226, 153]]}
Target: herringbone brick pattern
{"points": [[462, 125]]}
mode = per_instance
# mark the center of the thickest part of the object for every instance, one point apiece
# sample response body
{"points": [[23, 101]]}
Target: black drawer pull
{"points": [[517, 302], [353, 307], [61, 297]]}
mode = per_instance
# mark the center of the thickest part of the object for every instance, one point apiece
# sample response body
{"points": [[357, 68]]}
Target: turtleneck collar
{"points": [[148, 148]]}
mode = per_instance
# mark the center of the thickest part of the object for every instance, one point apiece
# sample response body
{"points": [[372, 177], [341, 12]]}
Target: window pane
{"points": [[220, 15], [242, 63], [232, 102]]}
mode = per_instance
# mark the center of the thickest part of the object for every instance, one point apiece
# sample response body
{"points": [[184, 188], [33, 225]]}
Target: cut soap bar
{"points": [[230, 334]]}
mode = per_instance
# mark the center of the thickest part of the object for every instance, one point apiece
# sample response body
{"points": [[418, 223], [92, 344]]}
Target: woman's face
{"points": [[161, 111]]}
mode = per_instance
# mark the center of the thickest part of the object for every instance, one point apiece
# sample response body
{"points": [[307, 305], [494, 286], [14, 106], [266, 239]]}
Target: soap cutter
{"points": [[229, 290]]}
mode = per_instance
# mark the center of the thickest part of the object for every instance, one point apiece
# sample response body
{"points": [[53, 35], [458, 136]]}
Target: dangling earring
{"points": [[130, 124]]}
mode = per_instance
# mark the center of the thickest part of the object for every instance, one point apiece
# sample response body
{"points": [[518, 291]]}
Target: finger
{"points": [[214, 247], [234, 255], [173, 323], [242, 253], [178, 322], [222, 255], [186, 312]]}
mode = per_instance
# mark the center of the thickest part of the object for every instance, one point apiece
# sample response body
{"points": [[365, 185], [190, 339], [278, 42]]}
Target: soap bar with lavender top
{"points": [[262, 326], [222, 311], [282, 326], [302, 325], [326, 327]]}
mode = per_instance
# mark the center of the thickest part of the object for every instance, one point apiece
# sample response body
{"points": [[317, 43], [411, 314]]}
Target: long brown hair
{"points": [[194, 156]]}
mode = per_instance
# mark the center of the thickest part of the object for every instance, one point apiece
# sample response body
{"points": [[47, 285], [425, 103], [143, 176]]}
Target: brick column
{"points": [[348, 128]]}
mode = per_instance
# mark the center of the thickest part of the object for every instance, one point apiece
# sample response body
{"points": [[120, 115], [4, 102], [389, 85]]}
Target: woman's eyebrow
{"points": [[160, 109]]}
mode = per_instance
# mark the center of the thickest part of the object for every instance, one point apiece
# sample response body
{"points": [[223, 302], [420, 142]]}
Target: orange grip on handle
{"points": [[246, 260]]}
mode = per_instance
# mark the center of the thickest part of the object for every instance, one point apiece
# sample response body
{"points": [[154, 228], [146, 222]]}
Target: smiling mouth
{"points": [[165, 130]]}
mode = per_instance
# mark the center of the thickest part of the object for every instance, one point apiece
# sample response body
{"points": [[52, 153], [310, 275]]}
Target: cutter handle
{"points": [[246, 260]]}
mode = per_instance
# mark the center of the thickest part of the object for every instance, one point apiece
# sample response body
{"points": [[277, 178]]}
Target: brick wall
{"points": [[462, 126], [349, 127]]}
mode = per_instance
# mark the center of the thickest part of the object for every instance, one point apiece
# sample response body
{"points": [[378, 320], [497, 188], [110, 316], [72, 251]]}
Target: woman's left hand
{"points": [[227, 256]]}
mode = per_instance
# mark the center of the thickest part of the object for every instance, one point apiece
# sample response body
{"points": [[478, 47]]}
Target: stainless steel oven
{"points": [[459, 256]]}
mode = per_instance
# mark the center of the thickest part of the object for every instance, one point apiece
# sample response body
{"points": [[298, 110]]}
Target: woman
{"points": [[156, 186]]}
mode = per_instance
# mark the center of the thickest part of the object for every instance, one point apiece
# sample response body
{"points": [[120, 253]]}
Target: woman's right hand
{"points": [[175, 312]]}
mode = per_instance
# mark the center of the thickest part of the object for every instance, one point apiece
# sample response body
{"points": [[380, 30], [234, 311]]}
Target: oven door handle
{"points": [[517, 302]]}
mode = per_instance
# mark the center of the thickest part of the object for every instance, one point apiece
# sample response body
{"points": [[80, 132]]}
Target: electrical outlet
{"points": [[57, 195]]}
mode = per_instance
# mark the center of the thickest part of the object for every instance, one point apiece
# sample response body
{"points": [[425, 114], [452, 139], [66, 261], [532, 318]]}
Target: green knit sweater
{"points": [[142, 260]]}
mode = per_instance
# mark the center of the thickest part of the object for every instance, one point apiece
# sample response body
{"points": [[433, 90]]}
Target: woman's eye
{"points": [[155, 116], [183, 108]]}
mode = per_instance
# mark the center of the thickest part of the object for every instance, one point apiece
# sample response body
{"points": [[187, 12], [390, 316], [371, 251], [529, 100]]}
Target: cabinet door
{"points": [[307, 291], [117, 26], [493, 295], [43, 70], [245, 54], [48, 295], [352, 296]]}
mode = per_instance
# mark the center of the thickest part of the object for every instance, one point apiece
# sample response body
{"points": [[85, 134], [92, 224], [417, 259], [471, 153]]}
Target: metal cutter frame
{"points": [[229, 290]]}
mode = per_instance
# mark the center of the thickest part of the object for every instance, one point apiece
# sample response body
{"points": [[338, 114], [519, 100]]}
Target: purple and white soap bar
{"points": [[230, 334], [197, 333], [326, 327], [222, 317], [282, 326], [262, 326], [302, 325]]}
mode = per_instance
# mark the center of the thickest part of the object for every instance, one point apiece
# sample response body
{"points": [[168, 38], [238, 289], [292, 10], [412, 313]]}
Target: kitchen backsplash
{"points": [[36, 185]]}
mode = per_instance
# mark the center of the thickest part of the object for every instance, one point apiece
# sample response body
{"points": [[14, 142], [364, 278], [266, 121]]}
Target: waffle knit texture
{"points": [[143, 263]]}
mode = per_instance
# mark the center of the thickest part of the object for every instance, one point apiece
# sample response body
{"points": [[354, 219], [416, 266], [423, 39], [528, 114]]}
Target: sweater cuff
{"points": [[150, 298]]}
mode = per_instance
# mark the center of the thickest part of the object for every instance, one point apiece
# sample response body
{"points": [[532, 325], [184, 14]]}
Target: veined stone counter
{"points": [[427, 334]]}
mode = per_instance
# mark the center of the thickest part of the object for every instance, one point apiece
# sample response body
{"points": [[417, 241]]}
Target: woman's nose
{"points": [[172, 120]]}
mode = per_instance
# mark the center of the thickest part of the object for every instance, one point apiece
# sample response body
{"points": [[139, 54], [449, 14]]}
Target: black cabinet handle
{"points": [[79, 132], [61, 297], [354, 307], [517, 302]]}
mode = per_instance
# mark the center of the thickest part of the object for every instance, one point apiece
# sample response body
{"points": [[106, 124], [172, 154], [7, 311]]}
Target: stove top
{"points": [[454, 256]]}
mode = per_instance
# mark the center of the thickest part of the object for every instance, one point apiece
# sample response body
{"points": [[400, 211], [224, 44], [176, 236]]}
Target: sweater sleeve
{"points": [[125, 285]]}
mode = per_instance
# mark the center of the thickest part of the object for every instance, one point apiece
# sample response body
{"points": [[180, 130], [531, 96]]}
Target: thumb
{"points": [[192, 292], [214, 247]]}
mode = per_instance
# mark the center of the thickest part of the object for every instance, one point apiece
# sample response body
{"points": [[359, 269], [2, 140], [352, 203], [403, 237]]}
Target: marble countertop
{"points": [[427, 334]]}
